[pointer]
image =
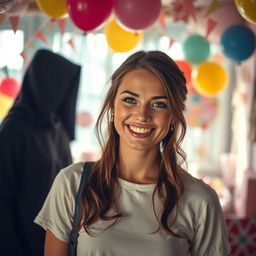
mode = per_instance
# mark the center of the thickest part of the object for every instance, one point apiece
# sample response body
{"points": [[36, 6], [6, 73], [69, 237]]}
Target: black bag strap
{"points": [[76, 220]]}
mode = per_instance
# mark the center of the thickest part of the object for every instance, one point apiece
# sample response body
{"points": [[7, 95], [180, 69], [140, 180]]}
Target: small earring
{"points": [[112, 118], [172, 127]]}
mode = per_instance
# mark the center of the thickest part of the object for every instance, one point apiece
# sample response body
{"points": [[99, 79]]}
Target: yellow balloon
{"points": [[5, 104], [120, 40], [247, 8], [54, 8], [210, 78]]}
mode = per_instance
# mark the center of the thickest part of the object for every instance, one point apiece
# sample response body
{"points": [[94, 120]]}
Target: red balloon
{"points": [[186, 68], [89, 14], [10, 87], [137, 14]]}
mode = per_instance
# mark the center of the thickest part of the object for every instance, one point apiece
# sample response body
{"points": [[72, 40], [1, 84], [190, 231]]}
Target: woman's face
{"points": [[142, 114]]}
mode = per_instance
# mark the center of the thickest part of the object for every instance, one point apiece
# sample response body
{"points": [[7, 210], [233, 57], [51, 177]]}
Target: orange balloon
{"points": [[186, 68]]}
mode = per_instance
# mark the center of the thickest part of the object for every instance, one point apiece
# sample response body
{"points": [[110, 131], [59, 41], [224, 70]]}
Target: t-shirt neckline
{"points": [[137, 186]]}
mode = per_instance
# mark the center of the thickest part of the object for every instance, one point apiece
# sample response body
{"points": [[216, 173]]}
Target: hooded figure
{"points": [[34, 145]]}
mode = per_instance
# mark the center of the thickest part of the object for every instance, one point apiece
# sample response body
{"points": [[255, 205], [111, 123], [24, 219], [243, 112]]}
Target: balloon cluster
{"points": [[9, 89], [209, 78], [123, 33]]}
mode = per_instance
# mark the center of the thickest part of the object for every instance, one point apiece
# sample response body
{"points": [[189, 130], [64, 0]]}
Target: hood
{"points": [[49, 91]]}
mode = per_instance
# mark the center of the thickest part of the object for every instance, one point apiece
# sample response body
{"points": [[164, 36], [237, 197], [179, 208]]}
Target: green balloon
{"points": [[196, 49]]}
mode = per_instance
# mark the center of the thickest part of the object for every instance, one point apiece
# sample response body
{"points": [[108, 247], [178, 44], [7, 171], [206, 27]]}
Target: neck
{"points": [[139, 166]]}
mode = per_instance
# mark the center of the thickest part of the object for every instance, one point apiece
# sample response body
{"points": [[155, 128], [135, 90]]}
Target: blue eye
{"points": [[129, 100], [159, 105]]}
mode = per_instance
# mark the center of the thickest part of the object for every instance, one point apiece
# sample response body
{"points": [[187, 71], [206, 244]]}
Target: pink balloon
{"points": [[84, 119], [18, 8], [226, 16], [5, 5], [10, 87], [89, 14], [137, 14]]}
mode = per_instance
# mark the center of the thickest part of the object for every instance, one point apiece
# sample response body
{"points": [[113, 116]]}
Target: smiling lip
{"points": [[139, 131]]}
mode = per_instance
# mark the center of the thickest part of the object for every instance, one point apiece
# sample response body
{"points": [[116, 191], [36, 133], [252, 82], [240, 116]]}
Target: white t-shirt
{"points": [[199, 220]]}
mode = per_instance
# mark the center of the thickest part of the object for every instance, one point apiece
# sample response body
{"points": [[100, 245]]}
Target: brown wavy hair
{"points": [[100, 193]]}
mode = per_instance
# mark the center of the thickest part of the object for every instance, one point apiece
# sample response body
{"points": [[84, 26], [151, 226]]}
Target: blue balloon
{"points": [[238, 42]]}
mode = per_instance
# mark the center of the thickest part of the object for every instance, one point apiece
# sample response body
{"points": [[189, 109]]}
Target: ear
{"points": [[112, 110]]}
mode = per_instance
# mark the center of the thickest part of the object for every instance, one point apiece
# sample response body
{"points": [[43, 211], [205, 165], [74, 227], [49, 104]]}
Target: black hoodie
{"points": [[34, 146]]}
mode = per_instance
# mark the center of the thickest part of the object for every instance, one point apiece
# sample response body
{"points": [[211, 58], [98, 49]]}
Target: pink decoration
{"points": [[200, 110], [137, 15], [24, 56], [71, 43], [161, 20], [188, 5], [211, 24], [61, 25], [39, 35], [14, 21], [171, 42], [84, 119], [228, 169]]}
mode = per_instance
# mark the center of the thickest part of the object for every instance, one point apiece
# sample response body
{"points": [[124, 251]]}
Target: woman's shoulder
{"points": [[68, 179], [196, 190], [73, 170]]}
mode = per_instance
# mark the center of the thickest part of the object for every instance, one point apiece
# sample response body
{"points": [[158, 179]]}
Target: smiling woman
{"points": [[142, 115], [138, 200]]}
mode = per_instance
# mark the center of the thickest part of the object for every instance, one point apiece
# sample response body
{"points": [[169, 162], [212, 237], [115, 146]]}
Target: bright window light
{"points": [[174, 51], [11, 45]]}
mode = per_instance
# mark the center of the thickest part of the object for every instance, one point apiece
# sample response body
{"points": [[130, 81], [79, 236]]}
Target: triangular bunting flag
{"points": [[161, 20], [71, 43], [24, 56], [14, 21], [39, 35], [61, 25], [188, 5], [171, 42], [211, 24], [2, 18], [214, 6], [179, 12]]}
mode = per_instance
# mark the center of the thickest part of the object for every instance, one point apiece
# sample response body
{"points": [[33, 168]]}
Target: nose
{"points": [[143, 113]]}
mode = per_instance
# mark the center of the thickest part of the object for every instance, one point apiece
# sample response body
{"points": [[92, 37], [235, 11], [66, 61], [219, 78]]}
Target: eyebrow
{"points": [[137, 95]]}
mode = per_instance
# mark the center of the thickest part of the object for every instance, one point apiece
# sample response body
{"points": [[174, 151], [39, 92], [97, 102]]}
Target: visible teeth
{"points": [[140, 130]]}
